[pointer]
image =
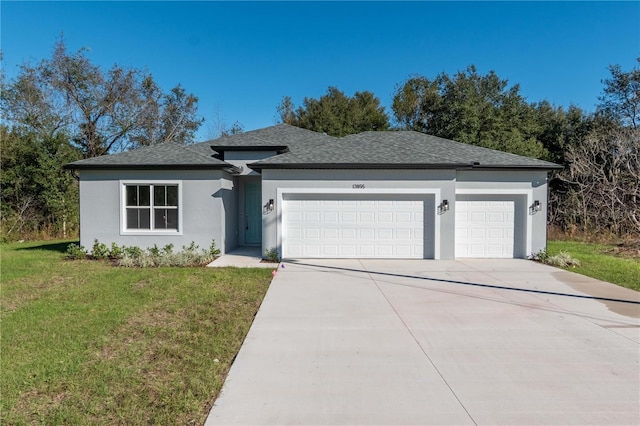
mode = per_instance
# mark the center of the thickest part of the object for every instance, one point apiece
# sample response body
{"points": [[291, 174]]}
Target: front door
{"points": [[253, 213]]}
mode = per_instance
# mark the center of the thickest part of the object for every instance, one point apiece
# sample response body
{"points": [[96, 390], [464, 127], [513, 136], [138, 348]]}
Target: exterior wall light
{"points": [[443, 207], [268, 207], [536, 207]]}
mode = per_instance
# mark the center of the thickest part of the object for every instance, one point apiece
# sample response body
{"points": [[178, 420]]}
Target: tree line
{"points": [[65, 108]]}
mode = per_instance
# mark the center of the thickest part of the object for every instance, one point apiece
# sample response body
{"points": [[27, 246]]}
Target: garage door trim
{"points": [[281, 192], [527, 192]]}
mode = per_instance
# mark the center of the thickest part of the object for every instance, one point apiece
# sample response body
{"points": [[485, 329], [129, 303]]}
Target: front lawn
{"points": [[598, 261], [84, 342]]}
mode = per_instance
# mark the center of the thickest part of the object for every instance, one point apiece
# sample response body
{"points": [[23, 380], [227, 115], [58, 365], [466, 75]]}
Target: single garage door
{"points": [[341, 225], [485, 229]]}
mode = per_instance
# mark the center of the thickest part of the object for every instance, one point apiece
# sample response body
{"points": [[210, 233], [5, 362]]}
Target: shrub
{"points": [[75, 251], [561, 260], [100, 250], [272, 255], [191, 247], [213, 250], [115, 252], [134, 256], [132, 252], [540, 256], [155, 257]]}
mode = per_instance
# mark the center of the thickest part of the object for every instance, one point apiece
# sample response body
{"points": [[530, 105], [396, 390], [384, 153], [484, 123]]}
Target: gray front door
{"points": [[253, 213]]}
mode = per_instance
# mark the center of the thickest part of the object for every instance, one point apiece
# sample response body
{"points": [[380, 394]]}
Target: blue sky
{"points": [[241, 58]]}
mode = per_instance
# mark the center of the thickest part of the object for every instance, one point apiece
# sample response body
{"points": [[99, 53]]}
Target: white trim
{"points": [[123, 184], [280, 210], [507, 191]]}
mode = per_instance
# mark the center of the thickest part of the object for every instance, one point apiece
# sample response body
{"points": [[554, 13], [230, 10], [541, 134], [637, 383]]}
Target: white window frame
{"points": [[149, 182]]}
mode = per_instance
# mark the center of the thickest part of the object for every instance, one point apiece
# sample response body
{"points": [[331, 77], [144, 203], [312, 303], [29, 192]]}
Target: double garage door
{"points": [[391, 226], [357, 226]]}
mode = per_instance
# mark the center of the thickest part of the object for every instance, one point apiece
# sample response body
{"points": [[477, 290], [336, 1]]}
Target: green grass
{"points": [[84, 342], [597, 262]]}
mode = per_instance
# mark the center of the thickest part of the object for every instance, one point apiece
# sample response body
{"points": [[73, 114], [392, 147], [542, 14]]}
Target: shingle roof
{"points": [[166, 155], [274, 136], [308, 149], [398, 149], [201, 155]]}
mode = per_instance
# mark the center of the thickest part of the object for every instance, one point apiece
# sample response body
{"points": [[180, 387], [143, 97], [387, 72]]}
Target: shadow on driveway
{"points": [[497, 287]]}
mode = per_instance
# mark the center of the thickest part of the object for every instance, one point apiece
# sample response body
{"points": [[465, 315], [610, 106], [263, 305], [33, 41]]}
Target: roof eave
{"points": [[223, 148], [72, 166], [398, 166], [359, 166], [550, 166]]}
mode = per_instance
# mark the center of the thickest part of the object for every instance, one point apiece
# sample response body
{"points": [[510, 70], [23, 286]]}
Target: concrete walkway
{"points": [[242, 257], [363, 342]]}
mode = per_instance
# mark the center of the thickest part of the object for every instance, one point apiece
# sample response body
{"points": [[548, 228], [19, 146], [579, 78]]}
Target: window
{"points": [[151, 207]]}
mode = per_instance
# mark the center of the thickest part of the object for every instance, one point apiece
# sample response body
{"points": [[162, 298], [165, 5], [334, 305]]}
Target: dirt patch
{"points": [[39, 403]]}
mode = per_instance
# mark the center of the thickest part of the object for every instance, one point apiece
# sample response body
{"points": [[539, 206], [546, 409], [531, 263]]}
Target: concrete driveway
{"points": [[363, 342]]}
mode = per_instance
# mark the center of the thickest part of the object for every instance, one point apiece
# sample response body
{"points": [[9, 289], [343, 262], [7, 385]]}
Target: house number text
{"points": [[358, 186]]}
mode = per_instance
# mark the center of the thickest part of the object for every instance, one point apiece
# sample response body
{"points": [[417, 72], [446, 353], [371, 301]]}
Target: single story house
{"points": [[392, 194]]}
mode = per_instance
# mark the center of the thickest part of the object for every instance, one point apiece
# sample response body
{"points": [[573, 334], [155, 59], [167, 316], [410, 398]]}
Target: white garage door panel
{"points": [[484, 229], [383, 227]]}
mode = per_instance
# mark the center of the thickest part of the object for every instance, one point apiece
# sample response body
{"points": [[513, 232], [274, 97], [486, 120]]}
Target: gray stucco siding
{"points": [[521, 186], [439, 183], [208, 200], [241, 159]]}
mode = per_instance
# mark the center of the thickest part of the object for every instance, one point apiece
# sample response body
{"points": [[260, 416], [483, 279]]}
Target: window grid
{"points": [[151, 207]]}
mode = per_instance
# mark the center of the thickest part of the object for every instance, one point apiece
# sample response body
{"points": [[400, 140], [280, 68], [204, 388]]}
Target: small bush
{"points": [[272, 255], [190, 248], [154, 256], [540, 256], [561, 260], [154, 251], [213, 250], [132, 252], [75, 251], [115, 252], [100, 250]]}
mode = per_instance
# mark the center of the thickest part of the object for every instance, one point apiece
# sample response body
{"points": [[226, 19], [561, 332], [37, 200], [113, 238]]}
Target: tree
{"points": [[470, 108], [621, 98], [335, 113], [170, 117], [558, 129], [218, 125], [599, 189], [102, 112], [36, 192]]}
